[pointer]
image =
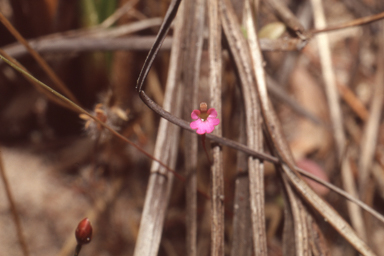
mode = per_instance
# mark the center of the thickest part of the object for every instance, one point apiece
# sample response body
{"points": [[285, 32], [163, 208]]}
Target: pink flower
{"points": [[205, 120]]}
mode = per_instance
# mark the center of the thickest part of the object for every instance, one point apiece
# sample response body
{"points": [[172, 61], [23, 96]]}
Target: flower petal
{"points": [[213, 121], [200, 131], [195, 124], [212, 112], [205, 127], [195, 114], [209, 128]]}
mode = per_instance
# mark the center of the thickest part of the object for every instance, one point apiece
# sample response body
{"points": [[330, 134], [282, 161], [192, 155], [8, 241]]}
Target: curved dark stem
{"points": [[238, 146], [169, 17], [185, 125]]}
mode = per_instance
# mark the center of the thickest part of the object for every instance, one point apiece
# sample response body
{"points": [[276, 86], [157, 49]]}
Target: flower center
{"points": [[203, 116]]}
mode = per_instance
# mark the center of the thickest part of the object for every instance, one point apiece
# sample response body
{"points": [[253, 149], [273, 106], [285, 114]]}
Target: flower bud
{"points": [[203, 107], [84, 232]]}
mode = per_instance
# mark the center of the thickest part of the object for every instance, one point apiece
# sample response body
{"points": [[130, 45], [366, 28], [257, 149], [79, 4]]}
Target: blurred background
{"points": [[62, 168]]}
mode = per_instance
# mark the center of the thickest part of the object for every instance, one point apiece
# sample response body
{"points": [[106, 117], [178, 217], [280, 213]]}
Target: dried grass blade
{"points": [[283, 151], [242, 234], [297, 210], [242, 148], [335, 109], [160, 182], [329, 214], [253, 125], [217, 172], [192, 46], [329, 79]]}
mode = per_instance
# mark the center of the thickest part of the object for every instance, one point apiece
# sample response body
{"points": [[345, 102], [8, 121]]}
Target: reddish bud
{"points": [[84, 232], [203, 107]]}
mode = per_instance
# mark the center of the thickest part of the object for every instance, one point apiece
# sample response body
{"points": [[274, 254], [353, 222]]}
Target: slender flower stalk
{"points": [[205, 149]]}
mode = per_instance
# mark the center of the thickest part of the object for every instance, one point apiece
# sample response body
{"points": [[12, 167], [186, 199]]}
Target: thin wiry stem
{"points": [[83, 111], [262, 156], [160, 181], [185, 125], [353, 23], [169, 17]]}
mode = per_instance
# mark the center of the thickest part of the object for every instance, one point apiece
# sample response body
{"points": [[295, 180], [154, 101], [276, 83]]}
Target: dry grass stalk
{"points": [[217, 171], [246, 51], [160, 182], [335, 113], [192, 34]]}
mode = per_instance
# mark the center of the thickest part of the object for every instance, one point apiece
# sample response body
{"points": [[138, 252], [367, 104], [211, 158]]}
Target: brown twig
{"points": [[283, 12], [242, 148], [79, 109], [353, 23], [300, 185], [83, 44], [12, 205]]}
